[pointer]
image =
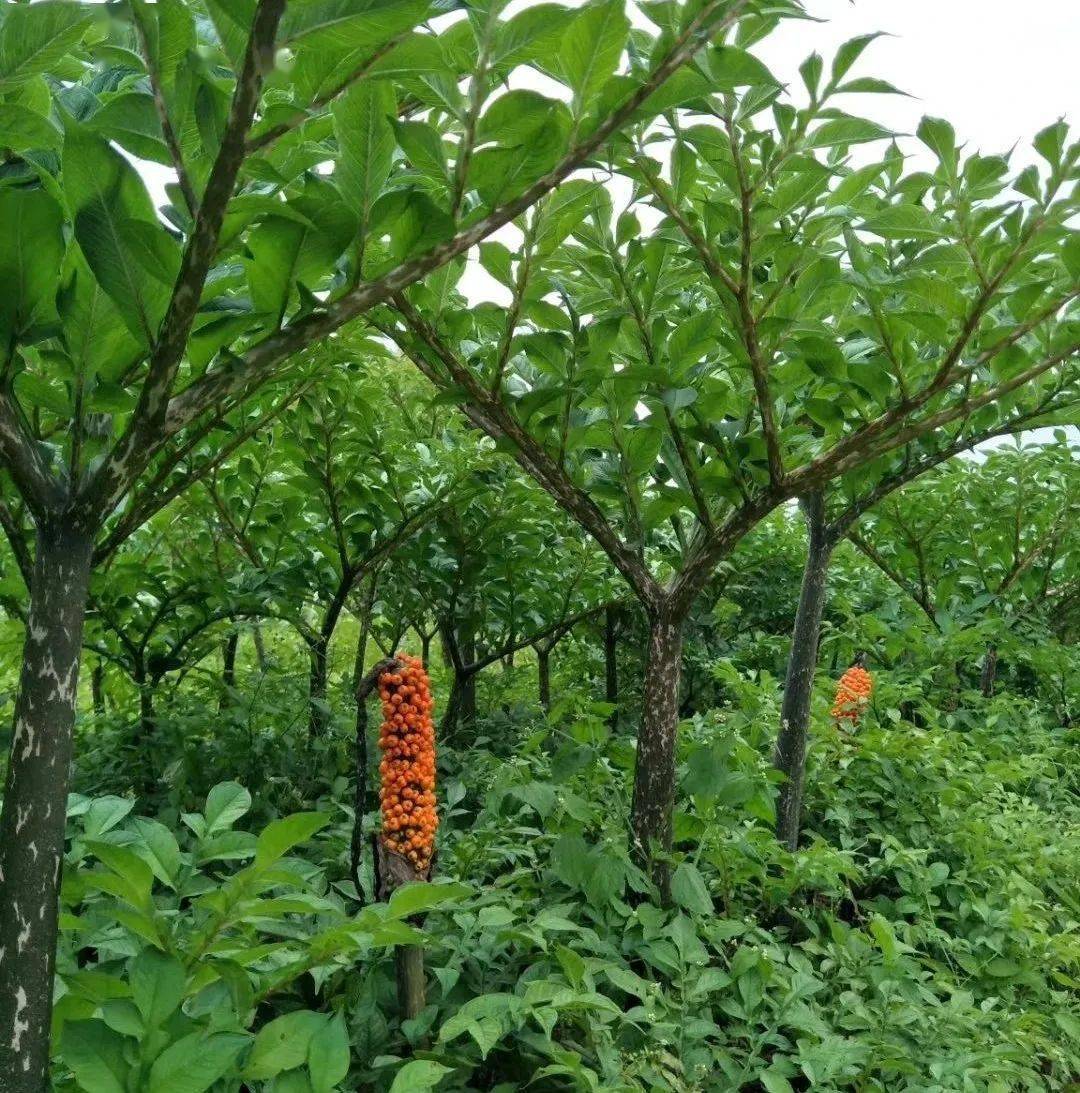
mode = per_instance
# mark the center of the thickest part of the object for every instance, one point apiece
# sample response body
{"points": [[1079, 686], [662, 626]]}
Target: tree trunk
{"points": [[543, 676], [467, 706], [97, 687], [317, 687], [143, 742], [989, 670], [425, 650], [789, 756], [228, 668], [611, 667], [35, 804], [654, 772]]}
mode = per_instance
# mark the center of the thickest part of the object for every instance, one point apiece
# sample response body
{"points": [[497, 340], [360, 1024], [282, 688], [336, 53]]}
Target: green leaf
{"points": [[902, 222], [106, 193], [849, 53], [131, 120], [21, 129], [418, 1076], [282, 835], [885, 938], [411, 899], [157, 985], [348, 26], [689, 890], [591, 48], [730, 67], [194, 1063], [225, 804], [95, 1054], [365, 136], [282, 1044], [940, 137], [31, 225], [36, 37], [846, 131], [328, 1055]]}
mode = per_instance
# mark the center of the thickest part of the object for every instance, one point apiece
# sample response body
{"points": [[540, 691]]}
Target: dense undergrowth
{"points": [[926, 937]]}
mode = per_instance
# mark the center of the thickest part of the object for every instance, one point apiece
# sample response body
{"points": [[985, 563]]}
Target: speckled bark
{"points": [[654, 772], [35, 801], [789, 756]]}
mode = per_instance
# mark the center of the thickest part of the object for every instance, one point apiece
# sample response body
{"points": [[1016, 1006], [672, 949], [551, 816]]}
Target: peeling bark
{"points": [[789, 756], [35, 805], [654, 771]]}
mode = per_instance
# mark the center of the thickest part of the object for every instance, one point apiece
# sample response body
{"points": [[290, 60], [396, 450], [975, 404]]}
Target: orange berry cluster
{"points": [[407, 770], [852, 694]]}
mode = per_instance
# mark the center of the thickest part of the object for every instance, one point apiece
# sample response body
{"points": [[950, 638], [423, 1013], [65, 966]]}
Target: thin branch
{"points": [[269, 136], [176, 154], [492, 416], [22, 455], [150, 502]]}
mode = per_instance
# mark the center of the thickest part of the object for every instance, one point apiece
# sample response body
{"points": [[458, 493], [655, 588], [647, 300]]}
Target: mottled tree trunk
{"points": [[989, 670], [611, 667], [543, 676], [789, 756], [228, 668], [97, 687], [317, 672], [654, 772], [467, 705], [35, 802]]}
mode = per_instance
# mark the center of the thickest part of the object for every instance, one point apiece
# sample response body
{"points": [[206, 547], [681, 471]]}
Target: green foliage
{"points": [[190, 946]]}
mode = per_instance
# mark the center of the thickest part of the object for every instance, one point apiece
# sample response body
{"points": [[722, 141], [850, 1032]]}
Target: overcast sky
{"points": [[998, 71]]}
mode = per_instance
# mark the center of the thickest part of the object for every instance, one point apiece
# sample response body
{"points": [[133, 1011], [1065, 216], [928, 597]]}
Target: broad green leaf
{"points": [[21, 128], [846, 131], [95, 1053], [591, 48], [365, 135], [689, 890], [131, 120], [328, 1055], [225, 804], [282, 835], [422, 896], [194, 1063], [105, 194], [31, 225], [849, 53], [730, 67], [35, 37], [282, 1044], [418, 1076], [157, 985]]}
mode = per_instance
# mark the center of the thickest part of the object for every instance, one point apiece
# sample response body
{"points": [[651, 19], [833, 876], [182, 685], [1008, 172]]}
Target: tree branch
{"points": [[256, 366], [143, 436]]}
